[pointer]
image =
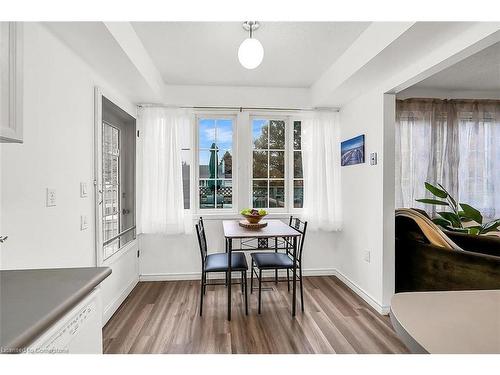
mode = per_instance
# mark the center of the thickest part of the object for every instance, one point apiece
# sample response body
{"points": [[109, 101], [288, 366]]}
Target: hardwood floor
{"points": [[163, 317]]}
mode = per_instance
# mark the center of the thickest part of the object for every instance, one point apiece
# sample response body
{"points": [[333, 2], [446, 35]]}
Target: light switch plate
{"points": [[84, 222], [50, 197], [366, 256], [83, 190], [373, 158]]}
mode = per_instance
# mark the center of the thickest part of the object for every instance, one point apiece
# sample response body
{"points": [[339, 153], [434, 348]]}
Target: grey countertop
{"points": [[32, 300]]}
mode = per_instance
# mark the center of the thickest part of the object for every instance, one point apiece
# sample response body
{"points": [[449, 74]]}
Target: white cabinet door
{"points": [[11, 125]]}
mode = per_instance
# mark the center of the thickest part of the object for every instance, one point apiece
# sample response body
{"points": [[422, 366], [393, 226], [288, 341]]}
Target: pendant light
{"points": [[251, 51]]}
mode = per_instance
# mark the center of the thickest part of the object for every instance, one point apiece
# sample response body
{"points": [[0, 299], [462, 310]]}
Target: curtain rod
{"points": [[233, 108]]}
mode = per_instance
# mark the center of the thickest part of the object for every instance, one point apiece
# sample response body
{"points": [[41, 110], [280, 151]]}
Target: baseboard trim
{"points": [[170, 276], [117, 301], [197, 275], [381, 309]]}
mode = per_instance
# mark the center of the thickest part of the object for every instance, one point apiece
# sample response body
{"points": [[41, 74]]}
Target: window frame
{"points": [[292, 208], [195, 153], [288, 175]]}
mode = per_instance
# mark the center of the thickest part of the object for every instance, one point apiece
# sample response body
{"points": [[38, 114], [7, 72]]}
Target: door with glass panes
{"points": [[115, 171]]}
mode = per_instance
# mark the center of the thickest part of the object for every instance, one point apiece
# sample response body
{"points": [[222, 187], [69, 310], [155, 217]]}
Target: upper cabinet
{"points": [[11, 85]]}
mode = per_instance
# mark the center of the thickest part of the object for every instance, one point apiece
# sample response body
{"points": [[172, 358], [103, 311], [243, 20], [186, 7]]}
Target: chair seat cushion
{"points": [[272, 260], [218, 262]]}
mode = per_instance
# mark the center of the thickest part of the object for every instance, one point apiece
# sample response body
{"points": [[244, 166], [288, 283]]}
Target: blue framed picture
{"points": [[352, 151]]}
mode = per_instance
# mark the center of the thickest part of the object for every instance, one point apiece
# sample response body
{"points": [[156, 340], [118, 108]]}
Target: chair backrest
{"points": [[202, 239], [299, 226]]}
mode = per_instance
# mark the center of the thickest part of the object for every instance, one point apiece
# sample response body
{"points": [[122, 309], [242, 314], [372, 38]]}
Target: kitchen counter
{"points": [[33, 300], [454, 322]]}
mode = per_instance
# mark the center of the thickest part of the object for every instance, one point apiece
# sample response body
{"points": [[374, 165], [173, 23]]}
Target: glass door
{"points": [[111, 188], [115, 153]]}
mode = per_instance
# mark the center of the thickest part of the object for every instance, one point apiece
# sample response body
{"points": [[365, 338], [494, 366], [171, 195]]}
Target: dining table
{"points": [[275, 229]]}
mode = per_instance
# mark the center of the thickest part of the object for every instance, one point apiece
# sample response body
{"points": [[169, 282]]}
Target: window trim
{"points": [[195, 153]]}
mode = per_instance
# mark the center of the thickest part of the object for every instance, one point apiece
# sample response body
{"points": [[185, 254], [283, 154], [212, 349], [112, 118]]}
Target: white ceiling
{"points": [[99, 49], [205, 53], [479, 72]]}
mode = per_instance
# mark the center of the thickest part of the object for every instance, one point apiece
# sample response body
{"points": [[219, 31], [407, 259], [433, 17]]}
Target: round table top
{"points": [[448, 322]]}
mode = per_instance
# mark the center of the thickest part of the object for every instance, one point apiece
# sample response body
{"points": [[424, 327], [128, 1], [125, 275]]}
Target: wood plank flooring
{"points": [[163, 317]]}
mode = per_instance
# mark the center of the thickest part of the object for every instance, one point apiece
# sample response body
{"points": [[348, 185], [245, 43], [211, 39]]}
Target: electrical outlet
{"points": [[366, 256], [84, 222], [83, 190], [50, 197]]}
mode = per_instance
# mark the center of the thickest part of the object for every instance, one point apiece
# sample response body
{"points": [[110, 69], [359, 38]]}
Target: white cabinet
{"points": [[11, 85], [77, 332]]}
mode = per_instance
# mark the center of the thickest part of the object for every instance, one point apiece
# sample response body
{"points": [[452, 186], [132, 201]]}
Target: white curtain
{"points": [[321, 165], [162, 203], [426, 150], [451, 142], [478, 126]]}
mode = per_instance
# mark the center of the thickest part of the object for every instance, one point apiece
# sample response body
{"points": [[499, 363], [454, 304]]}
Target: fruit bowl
{"points": [[253, 216]]}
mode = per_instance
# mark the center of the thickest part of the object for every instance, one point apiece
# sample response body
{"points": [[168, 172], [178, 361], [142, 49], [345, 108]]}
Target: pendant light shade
{"points": [[251, 51]]}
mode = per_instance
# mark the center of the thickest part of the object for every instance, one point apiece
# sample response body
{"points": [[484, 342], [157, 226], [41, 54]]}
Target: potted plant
{"points": [[460, 213]]}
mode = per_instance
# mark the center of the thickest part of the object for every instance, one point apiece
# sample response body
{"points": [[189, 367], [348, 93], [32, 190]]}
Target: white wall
{"points": [[178, 257], [57, 153], [362, 189], [280, 97], [429, 92], [368, 200]]}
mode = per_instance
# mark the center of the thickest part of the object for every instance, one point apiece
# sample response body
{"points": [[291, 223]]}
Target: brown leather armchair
{"points": [[429, 259]]}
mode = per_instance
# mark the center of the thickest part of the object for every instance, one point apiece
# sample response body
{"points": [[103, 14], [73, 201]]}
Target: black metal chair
{"points": [[263, 261], [218, 262]]}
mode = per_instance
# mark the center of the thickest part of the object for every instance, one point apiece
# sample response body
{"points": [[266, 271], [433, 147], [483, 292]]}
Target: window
{"points": [[272, 150], [186, 159], [451, 142], [275, 177], [479, 161], [268, 170], [186, 176], [215, 162]]}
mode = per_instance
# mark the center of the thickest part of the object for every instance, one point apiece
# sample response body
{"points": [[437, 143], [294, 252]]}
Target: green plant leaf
{"points": [[490, 226], [432, 201], [453, 201], [441, 222], [474, 230], [452, 218], [472, 213], [459, 230], [436, 191]]}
